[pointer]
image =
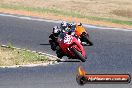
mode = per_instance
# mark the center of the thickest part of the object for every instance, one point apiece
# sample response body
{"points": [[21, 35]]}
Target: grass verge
{"points": [[11, 56], [59, 12]]}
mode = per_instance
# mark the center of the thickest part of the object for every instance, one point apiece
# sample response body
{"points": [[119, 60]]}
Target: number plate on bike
{"points": [[68, 39]]}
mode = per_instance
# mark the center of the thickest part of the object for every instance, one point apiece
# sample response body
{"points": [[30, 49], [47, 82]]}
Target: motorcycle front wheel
{"points": [[78, 55]]}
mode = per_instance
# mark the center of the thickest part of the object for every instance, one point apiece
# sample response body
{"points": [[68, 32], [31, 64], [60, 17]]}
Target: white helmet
{"points": [[79, 24], [56, 30]]}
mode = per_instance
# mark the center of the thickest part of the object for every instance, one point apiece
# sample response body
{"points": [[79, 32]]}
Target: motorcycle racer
{"points": [[77, 30], [53, 42], [64, 27], [71, 29]]}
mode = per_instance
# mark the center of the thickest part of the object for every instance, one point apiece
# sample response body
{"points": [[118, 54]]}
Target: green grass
{"points": [[59, 12], [10, 46], [11, 56], [32, 57]]}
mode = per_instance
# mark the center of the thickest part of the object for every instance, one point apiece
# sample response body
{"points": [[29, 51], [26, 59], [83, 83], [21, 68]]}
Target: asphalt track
{"points": [[111, 53]]}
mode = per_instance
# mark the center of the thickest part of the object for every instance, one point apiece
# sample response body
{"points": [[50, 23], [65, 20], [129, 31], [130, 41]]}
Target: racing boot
{"points": [[59, 54]]}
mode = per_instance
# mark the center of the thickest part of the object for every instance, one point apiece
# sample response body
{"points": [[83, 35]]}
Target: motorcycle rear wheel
{"points": [[87, 40]]}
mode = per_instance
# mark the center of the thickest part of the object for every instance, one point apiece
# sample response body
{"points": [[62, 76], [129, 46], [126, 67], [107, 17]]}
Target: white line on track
{"points": [[105, 28], [53, 21]]}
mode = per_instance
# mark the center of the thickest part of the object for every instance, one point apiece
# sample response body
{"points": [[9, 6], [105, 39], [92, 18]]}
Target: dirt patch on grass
{"points": [[123, 13]]}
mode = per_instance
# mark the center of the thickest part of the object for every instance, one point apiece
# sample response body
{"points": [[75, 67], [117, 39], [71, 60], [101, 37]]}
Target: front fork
{"points": [[69, 49]]}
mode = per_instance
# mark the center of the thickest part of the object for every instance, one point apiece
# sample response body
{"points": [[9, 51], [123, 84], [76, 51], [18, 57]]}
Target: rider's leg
{"points": [[53, 45]]}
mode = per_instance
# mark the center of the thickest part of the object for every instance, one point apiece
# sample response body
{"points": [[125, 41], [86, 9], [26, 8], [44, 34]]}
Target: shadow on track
{"points": [[68, 61], [49, 44], [45, 44]]}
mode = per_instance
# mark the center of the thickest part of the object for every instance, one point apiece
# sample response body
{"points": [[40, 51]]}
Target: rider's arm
{"points": [[52, 36], [72, 31]]}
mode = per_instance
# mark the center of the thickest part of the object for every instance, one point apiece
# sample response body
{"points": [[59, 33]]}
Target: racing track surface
{"points": [[111, 53]]}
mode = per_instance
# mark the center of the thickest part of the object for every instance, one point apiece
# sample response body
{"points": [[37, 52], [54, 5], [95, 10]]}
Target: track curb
{"points": [[52, 59]]}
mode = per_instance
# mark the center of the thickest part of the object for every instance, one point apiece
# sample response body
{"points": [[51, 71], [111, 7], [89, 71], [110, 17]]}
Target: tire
{"points": [[78, 55], [87, 40]]}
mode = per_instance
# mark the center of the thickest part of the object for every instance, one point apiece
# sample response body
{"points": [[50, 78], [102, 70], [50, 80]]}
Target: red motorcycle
{"points": [[71, 47]]}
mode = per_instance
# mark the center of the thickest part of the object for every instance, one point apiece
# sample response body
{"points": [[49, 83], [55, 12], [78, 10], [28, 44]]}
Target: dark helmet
{"points": [[71, 26]]}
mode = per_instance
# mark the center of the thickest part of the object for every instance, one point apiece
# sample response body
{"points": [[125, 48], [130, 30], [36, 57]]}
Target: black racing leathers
{"points": [[55, 46]]}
